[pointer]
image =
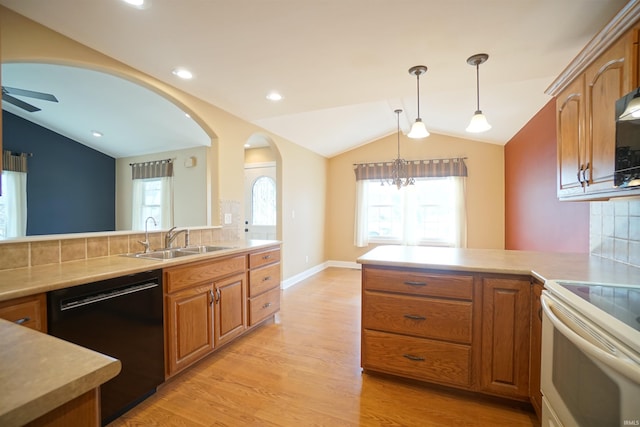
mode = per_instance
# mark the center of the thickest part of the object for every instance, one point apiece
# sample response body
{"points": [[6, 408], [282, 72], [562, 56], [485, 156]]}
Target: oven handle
{"points": [[618, 362]]}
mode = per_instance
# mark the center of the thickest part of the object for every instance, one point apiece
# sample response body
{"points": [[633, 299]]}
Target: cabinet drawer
{"points": [[28, 311], [417, 358], [264, 279], [265, 257], [419, 316], [195, 273], [418, 282], [264, 306]]}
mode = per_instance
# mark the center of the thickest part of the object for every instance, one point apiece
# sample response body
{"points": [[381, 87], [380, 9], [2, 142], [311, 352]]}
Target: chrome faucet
{"points": [[146, 243], [172, 234]]}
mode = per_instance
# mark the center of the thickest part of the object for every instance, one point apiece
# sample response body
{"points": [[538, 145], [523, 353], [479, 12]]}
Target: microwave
{"points": [[627, 154]]}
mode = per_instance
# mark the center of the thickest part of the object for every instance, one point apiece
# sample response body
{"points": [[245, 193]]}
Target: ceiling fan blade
{"points": [[29, 93], [18, 103]]}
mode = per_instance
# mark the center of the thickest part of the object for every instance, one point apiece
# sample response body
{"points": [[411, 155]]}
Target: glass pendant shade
{"points": [[478, 123], [418, 130], [633, 109]]}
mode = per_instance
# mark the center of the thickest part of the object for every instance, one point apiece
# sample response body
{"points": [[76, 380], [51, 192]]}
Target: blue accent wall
{"points": [[71, 188]]}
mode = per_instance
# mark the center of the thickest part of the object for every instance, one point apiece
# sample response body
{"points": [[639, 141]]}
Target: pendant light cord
{"points": [[418, 93], [477, 86], [398, 119]]}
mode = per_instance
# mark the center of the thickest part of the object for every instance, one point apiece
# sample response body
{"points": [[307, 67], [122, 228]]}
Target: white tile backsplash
{"points": [[614, 230]]}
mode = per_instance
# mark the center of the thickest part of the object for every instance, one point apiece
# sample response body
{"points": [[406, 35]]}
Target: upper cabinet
{"points": [[586, 93]]}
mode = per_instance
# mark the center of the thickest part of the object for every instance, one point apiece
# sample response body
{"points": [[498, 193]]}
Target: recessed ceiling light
{"points": [[96, 133], [138, 4], [187, 115], [274, 96], [182, 73], [247, 145]]}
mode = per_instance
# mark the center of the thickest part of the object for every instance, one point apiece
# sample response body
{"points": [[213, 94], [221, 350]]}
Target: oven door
{"points": [[587, 379]]}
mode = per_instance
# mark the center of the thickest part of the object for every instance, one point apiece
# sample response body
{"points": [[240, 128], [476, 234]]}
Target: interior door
{"points": [[260, 201]]}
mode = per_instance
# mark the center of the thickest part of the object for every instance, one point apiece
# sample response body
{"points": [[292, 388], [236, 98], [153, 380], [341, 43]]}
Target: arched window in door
{"points": [[263, 197]]}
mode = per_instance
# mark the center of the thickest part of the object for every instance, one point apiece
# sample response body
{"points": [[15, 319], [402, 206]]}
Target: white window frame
{"points": [[161, 210], [406, 219]]}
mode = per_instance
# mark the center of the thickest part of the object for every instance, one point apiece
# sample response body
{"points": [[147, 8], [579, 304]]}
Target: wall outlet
{"points": [[228, 218]]}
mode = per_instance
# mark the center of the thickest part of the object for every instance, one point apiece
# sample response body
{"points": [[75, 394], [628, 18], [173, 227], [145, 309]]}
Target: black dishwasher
{"points": [[122, 318]]}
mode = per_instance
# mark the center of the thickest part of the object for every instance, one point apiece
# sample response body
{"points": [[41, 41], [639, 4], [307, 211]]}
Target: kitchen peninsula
{"points": [[466, 318]]}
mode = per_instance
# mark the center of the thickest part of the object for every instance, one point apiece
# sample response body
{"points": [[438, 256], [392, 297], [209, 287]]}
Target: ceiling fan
{"points": [[7, 93]]}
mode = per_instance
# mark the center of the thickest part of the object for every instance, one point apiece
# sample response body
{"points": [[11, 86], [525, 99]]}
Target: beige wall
{"points": [[485, 188], [24, 40], [190, 198]]}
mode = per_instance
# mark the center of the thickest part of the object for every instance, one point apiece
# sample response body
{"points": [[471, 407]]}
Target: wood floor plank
{"points": [[303, 369]]}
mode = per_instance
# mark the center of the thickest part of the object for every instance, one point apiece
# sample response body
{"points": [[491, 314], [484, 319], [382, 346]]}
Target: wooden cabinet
{"points": [[506, 309], [586, 93], [205, 307], [29, 311], [418, 324], [535, 358], [264, 285], [571, 139], [231, 308]]}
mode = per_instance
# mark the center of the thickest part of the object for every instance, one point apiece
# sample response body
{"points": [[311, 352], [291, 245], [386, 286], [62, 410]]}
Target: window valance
{"points": [[416, 168], [15, 162], [153, 169]]}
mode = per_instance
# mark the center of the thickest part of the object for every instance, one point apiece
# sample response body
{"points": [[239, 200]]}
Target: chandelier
{"points": [[399, 168]]}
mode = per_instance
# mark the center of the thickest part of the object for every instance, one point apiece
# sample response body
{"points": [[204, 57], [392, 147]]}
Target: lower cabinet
{"points": [[210, 303], [535, 359], [29, 311], [506, 309], [467, 330], [189, 327], [230, 308]]}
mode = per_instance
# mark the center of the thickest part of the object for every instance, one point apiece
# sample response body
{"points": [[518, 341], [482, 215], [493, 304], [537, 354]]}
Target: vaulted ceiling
{"points": [[341, 65]]}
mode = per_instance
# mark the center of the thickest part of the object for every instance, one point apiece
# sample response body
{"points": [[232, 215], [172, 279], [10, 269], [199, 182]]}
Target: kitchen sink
{"points": [[204, 249], [162, 254]]}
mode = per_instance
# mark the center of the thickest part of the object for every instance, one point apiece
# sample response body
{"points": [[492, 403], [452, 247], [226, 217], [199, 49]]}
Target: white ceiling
{"points": [[341, 65]]}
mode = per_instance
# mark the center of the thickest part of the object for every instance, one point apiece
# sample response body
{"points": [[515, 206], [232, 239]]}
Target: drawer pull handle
{"points": [[266, 278], [23, 320], [266, 305], [414, 358], [415, 317], [266, 257], [410, 283]]}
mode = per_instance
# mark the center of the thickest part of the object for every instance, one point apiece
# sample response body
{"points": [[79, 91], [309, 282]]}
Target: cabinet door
{"points": [[536, 348], [231, 311], [506, 310], [30, 311], [571, 145], [189, 326], [607, 80]]}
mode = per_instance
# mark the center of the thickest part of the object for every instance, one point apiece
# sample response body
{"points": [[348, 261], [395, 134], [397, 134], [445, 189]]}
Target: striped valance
{"points": [[15, 162], [415, 168], [154, 169]]}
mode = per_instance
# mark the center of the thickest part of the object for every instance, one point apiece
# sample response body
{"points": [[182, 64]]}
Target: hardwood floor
{"points": [[304, 370]]}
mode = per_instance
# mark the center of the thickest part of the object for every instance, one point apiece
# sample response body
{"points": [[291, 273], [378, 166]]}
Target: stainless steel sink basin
{"points": [[162, 254], [204, 249]]}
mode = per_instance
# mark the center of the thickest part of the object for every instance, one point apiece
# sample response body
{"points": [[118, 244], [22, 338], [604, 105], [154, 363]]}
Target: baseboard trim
{"points": [[294, 280]]}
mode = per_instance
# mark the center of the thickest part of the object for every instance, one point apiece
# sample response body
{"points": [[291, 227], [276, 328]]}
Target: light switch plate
{"points": [[228, 218]]}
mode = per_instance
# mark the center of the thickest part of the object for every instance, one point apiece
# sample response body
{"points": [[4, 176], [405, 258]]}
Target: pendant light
{"points": [[418, 130], [478, 122], [399, 171]]}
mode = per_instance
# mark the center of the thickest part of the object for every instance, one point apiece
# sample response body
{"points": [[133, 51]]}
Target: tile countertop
{"points": [[542, 265], [39, 372], [20, 282]]}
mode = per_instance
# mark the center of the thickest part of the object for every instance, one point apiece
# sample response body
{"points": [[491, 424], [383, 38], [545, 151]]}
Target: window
{"points": [[429, 213], [263, 201], [152, 197], [13, 205]]}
